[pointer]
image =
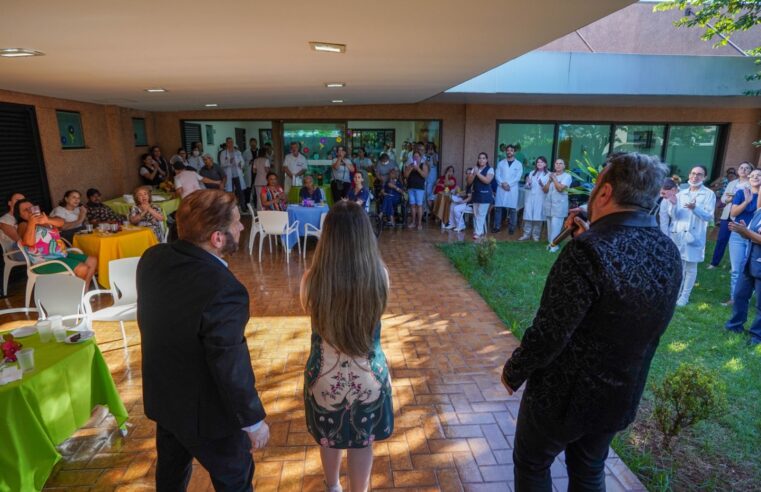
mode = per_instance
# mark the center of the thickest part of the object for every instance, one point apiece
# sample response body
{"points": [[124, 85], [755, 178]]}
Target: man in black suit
{"points": [[198, 383], [607, 300]]}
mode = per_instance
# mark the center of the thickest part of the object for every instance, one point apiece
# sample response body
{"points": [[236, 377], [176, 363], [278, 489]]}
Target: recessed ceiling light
{"points": [[211, 105], [337, 101], [335, 84], [19, 52], [156, 89], [328, 47]]}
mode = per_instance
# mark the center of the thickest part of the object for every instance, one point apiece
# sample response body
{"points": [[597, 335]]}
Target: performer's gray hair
{"points": [[636, 179]]}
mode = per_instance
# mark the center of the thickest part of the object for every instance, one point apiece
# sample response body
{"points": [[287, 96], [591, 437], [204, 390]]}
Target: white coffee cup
{"points": [[45, 329], [25, 359]]}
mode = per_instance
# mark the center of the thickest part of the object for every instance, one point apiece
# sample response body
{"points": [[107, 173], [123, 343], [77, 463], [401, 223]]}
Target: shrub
{"points": [[484, 252], [685, 397]]}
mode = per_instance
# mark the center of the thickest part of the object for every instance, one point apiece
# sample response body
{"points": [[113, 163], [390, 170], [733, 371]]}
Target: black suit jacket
{"points": [[197, 376], [607, 300]]}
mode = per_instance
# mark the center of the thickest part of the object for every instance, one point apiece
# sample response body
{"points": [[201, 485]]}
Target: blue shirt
{"points": [[746, 214], [363, 195]]}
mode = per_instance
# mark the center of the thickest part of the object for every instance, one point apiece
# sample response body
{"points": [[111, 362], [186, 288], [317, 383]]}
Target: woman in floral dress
{"points": [[144, 213], [347, 388]]}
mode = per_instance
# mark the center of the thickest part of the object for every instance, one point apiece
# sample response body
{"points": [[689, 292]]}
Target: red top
{"points": [[444, 182]]}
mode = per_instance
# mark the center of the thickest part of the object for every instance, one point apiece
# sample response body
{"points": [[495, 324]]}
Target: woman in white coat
{"points": [[690, 216], [533, 209], [556, 201], [508, 176]]}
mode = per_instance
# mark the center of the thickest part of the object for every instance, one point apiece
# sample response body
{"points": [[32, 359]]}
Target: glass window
{"points": [[138, 129], [645, 139], [691, 145], [579, 143], [530, 139], [318, 140]]}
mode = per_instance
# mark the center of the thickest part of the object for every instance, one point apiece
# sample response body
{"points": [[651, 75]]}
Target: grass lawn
{"points": [[720, 454]]}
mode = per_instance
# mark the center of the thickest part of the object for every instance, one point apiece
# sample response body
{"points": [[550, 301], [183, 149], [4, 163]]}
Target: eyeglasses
{"points": [[697, 174]]}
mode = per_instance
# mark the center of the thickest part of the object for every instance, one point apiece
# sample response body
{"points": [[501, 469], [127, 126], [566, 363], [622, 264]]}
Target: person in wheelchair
{"points": [[391, 196]]}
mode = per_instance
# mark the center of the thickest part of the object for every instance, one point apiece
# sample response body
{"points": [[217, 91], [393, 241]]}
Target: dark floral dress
{"points": [[347, 399]]}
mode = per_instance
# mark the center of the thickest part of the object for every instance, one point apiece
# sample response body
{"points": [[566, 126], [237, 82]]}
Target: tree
{"points": [[721, 18]]}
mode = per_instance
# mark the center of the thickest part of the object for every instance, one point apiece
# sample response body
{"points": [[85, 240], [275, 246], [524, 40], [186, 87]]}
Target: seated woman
{"points": [[273, 196], [150, 171], [444, 186], [392, 195], [310, 192], [72, 212], [144, 213], [358, 193], [41, 240], [460, 204]]}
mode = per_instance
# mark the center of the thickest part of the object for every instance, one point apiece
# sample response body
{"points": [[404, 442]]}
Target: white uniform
{"points": [[688, 230], [511, 174], [690, 226], [533, 209], [232, 164], [295, 165]]}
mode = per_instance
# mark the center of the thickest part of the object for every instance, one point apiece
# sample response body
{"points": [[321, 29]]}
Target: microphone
{"points": [[570, 227]]}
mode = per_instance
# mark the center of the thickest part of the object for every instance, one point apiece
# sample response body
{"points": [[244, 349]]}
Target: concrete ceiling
{"points": [[247, 53]]}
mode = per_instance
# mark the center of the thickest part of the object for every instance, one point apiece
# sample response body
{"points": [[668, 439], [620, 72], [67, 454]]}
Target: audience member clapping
{"points": [[144, 213], [273, 196]]}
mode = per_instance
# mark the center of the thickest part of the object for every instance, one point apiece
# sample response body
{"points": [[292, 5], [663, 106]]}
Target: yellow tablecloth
{"points": [[106, 247], [120, 206]]}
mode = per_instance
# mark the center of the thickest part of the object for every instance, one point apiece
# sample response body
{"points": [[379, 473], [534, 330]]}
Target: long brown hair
{"points": [[346, 289]]}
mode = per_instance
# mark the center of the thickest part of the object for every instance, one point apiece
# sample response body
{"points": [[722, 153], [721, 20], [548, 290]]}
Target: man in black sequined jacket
{"points": [[607, 300]]}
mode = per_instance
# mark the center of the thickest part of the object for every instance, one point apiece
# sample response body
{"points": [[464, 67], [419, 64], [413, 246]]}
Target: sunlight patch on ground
{"points": [[734, 364], [677, 346]]}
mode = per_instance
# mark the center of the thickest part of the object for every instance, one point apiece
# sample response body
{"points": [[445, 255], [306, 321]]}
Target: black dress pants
{"points": [[228, 461], [536, 446]]}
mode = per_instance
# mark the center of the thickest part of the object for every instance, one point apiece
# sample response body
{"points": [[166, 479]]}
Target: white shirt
{"points": [[189, 181], [231, 163], [295, 165], [10, 220], [66, 214], [510, 173]]}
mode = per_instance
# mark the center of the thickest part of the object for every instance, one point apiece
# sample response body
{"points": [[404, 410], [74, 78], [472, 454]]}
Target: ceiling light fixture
{"points": [[328, 47], [337, 101], [19, 52], [156, 89], [331, 85], [211, 105]]}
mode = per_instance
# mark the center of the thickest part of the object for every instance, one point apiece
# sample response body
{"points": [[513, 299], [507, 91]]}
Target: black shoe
{"points": [[494, 230], [511, 231]]}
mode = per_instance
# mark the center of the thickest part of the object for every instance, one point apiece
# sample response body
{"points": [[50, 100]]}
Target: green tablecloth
{"points": [[293, 194], [47, 406], [120, 206]]}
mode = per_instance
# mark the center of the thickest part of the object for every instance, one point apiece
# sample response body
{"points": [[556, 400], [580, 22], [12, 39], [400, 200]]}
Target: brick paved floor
{"points": [[454, 422]]}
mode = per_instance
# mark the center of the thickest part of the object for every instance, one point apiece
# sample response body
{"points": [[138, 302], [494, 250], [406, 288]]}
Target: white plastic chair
{"points": [[310, 230], [58, 295], [31, 271], [123, 276], [274, 223], [255, 230], [9, 263]]}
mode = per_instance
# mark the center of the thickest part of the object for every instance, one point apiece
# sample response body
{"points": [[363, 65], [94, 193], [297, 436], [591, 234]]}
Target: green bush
{"points": [[485, 251], [685, 397]]}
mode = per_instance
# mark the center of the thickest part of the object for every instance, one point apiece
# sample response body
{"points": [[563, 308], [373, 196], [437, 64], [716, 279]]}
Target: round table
{"points": [[48, 405], [305, 215], [130, 242]]}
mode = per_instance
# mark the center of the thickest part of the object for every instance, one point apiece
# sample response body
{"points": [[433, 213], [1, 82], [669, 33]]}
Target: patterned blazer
{"points": [[607, 300]]}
